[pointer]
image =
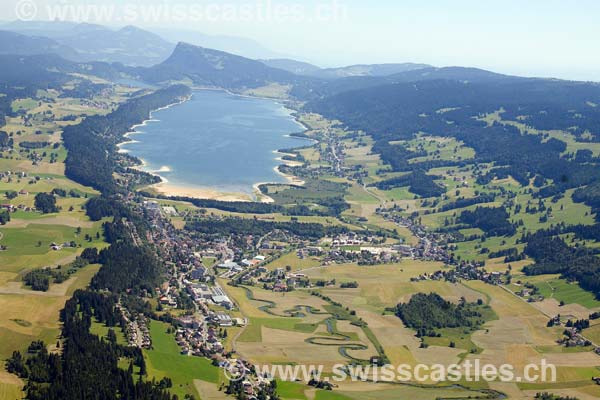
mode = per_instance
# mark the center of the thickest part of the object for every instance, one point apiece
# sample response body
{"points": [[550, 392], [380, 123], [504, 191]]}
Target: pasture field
{"points": [[570, 293], [384, 286], [29, 246], [439, 148], [593, 333], [360, 390], [291, 259]]}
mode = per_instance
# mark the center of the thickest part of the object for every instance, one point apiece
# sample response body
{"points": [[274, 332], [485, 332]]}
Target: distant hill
{"points": [[51, 29], [128, 45], [333, 87], [214, 68], [367, 70], [90, 42], [240, 46], [15, 43], [352, 71], [48, 70], [293, 66], [460, 74]]}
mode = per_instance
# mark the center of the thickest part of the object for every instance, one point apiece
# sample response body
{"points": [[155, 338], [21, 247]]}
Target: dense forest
{"points": [[428, 312], [493, 221], [418, 183], [246, 226], [553, 255], [99, 207], [126, 266]]}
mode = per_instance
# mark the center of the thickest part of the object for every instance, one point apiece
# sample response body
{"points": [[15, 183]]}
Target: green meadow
{"points": [[165, 359]]}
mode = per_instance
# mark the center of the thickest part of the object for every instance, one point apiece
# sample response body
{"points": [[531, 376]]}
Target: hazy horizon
{"points": [[511, 37]]}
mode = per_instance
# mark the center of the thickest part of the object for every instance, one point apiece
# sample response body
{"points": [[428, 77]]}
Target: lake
{"points": [[216, 140]]}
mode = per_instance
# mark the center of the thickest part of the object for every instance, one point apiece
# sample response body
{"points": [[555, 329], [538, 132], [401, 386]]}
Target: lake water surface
{"points": [[216, 140]]}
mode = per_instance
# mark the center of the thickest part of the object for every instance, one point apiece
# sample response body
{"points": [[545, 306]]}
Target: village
{"points": [[201, 310]]}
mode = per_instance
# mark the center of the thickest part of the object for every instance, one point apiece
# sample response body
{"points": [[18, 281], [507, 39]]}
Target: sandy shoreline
{"points": [[169, 189], [166, 188]]}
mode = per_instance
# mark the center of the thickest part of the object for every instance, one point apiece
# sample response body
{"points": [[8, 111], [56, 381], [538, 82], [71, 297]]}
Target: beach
{"points": [[169, 189]]}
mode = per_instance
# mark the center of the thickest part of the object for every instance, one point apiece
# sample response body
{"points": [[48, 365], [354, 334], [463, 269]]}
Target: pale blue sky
{"points": [[527, 37]]}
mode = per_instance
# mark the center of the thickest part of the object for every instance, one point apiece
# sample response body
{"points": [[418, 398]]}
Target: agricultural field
{"points": [[283, 328], [296, 327]]}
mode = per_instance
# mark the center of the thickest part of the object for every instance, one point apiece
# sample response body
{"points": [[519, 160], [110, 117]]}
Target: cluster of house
{"points": [[13, 208], [572, 333], [531, 294], [153, 209], [458, 179], [59, 246], [309, 251], [363, 255], [282, 281], [279, 280], [195, 337], [10, 174], [469, 271], [573, 338], [203, 337], [358, 253], [431, 244], [202, 332], [267, 245], [136, 329], [350, 239], [168, 300]]}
